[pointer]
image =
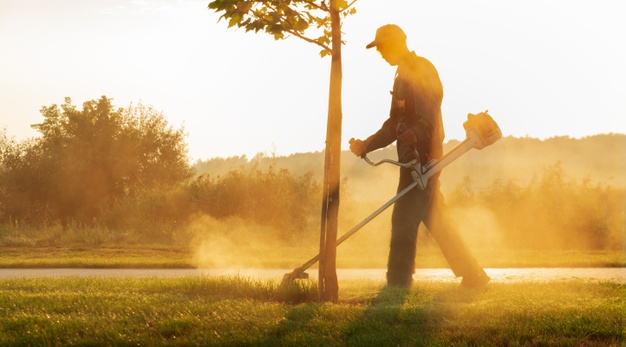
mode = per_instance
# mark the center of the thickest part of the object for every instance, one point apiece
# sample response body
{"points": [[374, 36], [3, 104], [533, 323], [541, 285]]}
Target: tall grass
{"points": [[551, 212]]}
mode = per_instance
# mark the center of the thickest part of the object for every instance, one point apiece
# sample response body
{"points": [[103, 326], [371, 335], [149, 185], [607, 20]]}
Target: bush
{"points": [[87, 159], [551, 212], [272, 197]]}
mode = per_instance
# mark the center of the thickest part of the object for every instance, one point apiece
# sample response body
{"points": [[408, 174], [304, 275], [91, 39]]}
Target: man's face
{"points": [[390, 52]]}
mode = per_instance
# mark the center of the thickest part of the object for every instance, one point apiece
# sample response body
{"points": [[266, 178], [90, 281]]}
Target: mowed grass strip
{"points": [[243, 311], [90, 257], [284, 257]]}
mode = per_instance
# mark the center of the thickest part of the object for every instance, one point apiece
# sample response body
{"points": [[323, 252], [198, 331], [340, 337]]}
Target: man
{"points": [[415, 122]]}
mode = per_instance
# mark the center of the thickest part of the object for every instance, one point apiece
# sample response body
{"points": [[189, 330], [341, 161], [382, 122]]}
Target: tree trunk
{"points": [[328, 286]]}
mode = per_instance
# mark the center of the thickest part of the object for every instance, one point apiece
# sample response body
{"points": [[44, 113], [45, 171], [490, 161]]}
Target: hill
{"points": [[598, 160]]}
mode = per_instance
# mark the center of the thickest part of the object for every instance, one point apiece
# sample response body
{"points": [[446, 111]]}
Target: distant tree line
{"points": [[556, 193], [126, 170], [121, 174]]}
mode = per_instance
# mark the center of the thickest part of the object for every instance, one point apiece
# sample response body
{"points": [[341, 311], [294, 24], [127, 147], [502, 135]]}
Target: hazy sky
{"points": [[542, 68]]}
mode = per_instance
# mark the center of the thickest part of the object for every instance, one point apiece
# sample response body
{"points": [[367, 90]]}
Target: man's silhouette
{"points": [[415, 121]]}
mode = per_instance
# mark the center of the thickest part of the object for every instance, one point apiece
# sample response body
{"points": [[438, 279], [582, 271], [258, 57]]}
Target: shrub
{"points": [[551, 212], [272, 197]]}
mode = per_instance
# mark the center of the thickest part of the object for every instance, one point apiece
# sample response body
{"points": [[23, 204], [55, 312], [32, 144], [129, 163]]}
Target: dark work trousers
{"points": [[426, 206]]}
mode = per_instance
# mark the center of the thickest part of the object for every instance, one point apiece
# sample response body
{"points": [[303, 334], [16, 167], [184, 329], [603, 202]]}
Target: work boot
{"points": [[475, 280]]}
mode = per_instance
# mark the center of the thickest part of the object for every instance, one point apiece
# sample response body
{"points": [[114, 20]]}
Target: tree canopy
{"points": [[87, 158], [309, 20]]}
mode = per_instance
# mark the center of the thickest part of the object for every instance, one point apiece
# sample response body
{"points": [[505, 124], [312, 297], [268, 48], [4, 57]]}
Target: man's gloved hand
{"points": [[406, 135], [357, 147]]}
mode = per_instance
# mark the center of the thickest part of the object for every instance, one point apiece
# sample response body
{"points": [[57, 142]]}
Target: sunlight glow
{"points": [[543, 70]]}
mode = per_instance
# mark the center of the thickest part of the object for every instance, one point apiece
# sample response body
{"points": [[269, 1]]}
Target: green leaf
{"points": [[234, 20], [302, 18]]}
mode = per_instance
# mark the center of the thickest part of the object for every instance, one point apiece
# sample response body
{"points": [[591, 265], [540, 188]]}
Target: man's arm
{"points": [[382, 138]]}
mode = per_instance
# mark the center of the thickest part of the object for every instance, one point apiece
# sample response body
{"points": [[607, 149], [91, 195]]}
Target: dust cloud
{"points": [[501, 200], [479, 227], [237, 243]]}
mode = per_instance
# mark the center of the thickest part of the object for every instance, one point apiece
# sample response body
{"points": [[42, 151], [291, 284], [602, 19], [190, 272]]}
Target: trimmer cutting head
{"points": [[297, 274]]}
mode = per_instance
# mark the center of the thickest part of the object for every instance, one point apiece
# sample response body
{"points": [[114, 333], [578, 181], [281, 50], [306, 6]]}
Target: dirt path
{"points": [[617, 275]]}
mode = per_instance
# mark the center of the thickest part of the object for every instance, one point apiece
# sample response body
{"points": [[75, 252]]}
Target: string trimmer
{"points": [[480, 131]]}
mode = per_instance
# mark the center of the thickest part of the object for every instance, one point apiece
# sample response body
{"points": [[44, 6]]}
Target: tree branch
{"points": [[349, 5], [297, 34], [322, 7], [310, 40]]}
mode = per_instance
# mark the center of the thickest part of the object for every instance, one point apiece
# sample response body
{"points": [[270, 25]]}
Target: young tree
{"points": [[299, 18]]}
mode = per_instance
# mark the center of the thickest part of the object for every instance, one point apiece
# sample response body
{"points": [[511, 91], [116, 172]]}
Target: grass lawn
{"points": [[96, 257], [244, 312]]}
